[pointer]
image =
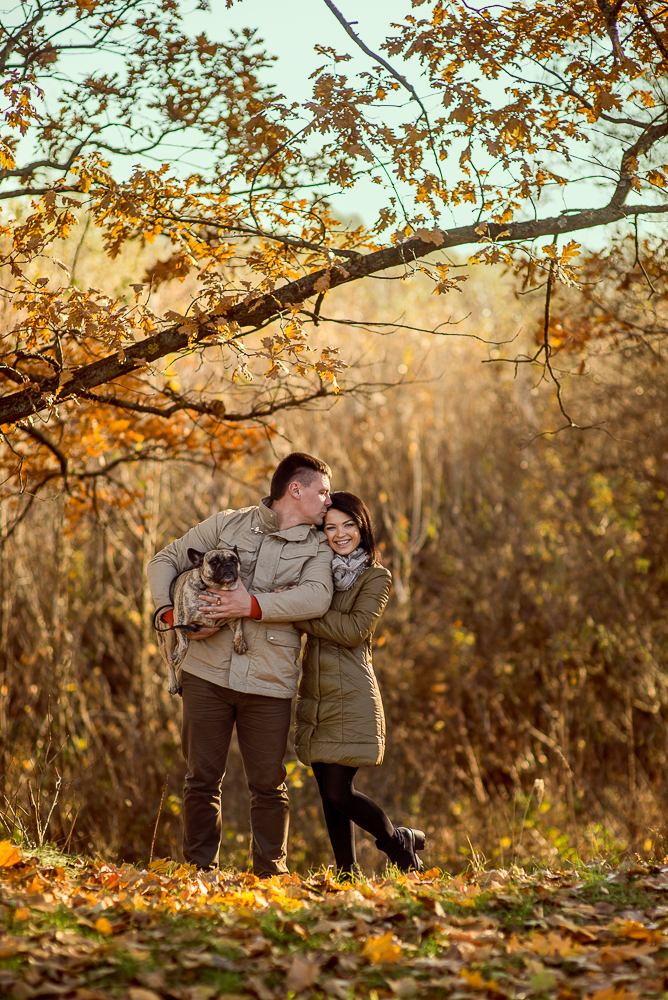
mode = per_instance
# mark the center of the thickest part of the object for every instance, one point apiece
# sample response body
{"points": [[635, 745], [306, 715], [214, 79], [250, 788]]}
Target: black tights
{"points": [[344, 807]]}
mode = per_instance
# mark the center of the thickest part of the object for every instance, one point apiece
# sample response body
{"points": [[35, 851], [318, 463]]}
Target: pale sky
{"points": [[292, 28]]}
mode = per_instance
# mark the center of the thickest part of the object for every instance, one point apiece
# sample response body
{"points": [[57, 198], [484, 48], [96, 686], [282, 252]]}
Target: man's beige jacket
{"points": [[271, 560]]}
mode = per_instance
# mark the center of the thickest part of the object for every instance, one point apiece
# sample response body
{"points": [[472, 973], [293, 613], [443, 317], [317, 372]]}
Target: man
{"points": [[285, 576]]}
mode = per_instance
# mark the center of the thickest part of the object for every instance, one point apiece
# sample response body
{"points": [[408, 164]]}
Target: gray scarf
{"points": [[346, 569]]}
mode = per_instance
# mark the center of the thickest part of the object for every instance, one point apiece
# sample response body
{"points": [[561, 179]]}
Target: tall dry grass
{"points": [[525, 641]]}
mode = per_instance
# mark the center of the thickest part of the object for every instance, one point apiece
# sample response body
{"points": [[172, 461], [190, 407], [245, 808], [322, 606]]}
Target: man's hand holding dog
{"points": [[224, 604]]}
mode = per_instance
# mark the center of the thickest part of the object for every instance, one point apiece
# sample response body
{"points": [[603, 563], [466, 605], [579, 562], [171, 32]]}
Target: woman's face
{"points": [[342, 533]]}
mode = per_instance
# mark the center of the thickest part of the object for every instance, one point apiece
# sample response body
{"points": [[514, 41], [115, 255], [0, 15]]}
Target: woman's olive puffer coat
{"points": [[339, 718]]}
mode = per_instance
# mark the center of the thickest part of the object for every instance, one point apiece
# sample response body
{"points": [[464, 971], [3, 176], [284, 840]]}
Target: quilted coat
{"points": [[339, 715]]}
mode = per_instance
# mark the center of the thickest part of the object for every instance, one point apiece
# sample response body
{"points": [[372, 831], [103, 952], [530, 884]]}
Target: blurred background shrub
{"points": [[526, 637]]}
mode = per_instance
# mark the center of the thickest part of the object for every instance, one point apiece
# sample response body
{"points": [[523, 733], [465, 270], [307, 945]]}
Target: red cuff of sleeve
{"points": [[256, 610], [168, 616]]}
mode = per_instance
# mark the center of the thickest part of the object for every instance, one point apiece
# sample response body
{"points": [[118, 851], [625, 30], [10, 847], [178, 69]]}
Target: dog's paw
{"points": [[240, 646]]}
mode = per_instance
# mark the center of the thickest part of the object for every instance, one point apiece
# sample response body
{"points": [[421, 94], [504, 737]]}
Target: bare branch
{"points": [[38, 435], [212, 409]]}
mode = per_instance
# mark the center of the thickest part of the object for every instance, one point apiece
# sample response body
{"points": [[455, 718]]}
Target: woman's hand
{"points": [[203, 633]]}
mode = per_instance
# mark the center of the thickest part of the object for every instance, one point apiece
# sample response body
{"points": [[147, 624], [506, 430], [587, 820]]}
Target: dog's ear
{"points": [[236, 551], [196, 558]]}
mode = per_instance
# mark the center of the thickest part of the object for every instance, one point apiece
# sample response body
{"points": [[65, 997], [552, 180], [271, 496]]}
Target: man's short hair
{"points": [[296, 467]]}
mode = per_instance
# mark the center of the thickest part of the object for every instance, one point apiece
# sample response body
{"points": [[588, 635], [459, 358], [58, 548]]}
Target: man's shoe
{"points": [[402, 848]]}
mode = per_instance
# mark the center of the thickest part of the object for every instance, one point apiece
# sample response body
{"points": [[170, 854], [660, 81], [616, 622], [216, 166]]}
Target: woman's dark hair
{"points": [[351, 505]]}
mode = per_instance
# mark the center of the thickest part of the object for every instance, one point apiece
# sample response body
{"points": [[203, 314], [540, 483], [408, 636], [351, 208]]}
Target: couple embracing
{"points": [[309, 564]]}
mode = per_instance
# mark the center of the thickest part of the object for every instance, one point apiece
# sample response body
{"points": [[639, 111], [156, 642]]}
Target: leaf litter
{"points": [[87, 930]]}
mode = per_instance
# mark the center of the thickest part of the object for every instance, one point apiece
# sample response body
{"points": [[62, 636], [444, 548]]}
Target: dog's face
{"points": [[219, 567]]}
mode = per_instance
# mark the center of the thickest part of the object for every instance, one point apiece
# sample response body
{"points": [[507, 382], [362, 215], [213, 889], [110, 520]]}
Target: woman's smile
{"points": [[342, 532]]}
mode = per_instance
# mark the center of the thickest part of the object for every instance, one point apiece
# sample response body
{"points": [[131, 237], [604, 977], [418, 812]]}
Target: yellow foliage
{"points": [[381, 949], [9, 854]]}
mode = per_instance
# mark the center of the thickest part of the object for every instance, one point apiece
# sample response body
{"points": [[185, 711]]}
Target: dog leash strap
{"points": [[171, 628], [157, 618]]}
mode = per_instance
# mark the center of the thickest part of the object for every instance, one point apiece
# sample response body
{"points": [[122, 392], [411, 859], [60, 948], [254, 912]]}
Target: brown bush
{"points": [[525, 641]]}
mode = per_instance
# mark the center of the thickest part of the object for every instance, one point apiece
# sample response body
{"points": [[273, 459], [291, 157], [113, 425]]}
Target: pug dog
{"points": [[216, 568]]}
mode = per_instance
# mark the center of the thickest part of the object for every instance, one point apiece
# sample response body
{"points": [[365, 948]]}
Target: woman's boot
{"points": [[402, 848], [349, 873]]}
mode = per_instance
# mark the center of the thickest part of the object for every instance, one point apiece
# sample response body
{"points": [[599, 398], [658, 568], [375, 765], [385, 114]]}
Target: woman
{"points": [[340, 724]]}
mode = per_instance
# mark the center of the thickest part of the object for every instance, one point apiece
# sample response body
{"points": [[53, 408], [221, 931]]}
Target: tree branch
{"points": [[259, 412], [30, 168], [38, 435], [546, 342], [629, 161], [652, 30], [259, 311], [610, 12]]}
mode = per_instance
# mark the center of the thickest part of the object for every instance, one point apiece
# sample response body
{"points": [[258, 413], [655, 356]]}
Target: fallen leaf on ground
{"points": [[260, 989], [614, 993], [381, 949], [9, 854], [302, 974]]}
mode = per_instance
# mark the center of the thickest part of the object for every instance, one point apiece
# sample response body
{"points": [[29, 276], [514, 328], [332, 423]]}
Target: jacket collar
{"points": [[264, 519]]}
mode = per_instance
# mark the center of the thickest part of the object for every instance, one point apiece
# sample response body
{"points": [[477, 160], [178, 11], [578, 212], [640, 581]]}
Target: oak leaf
{"points": [[638, 931], [323, 282], [657, 178], [614, 954], [434, 235], [9, 854], [552, 944], [381, 949], [477, 982]]}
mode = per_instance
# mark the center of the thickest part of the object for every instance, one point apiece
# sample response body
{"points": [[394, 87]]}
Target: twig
{"points": [[59, 781], [69, 838], [638, 260], [546, 343], [538, 787], [261, 167], [157, 819]]}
